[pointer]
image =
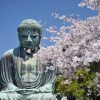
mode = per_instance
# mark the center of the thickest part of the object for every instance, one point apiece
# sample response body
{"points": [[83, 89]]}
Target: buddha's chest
{"points": [[30, 63], [28, 69]]}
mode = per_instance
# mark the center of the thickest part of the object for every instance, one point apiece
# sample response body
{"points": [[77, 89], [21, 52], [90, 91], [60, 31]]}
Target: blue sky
{"points": [[12, 12]]}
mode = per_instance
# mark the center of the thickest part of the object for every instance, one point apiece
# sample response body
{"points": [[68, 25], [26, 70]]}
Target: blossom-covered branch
{"points": [[91, 4]]}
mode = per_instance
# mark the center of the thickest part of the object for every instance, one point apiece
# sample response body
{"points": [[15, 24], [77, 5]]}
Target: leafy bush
{"points": [[78, 86]]}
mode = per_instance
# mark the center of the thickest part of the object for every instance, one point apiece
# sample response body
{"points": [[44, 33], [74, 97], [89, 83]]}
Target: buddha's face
{"points": [[29, 38]]}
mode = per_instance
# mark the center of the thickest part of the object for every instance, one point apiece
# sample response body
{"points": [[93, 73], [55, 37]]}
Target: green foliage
{"points": [[58, 83], [78, 86]]}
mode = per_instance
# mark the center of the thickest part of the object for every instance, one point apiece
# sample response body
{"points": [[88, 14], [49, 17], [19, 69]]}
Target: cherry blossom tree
{"points": [[76, 46]]}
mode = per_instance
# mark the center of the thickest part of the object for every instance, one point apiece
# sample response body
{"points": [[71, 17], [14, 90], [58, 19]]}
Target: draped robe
{"points": [[11, 75]]}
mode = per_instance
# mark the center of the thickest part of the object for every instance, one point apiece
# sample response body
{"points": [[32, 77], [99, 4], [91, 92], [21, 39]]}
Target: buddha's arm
{"points": [[1, 86], [5, 75], [46, 88], [5, 69], [48, 80]]}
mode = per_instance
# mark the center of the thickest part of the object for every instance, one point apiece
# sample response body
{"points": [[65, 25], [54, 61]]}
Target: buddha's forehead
{"points": [[29, 25]]}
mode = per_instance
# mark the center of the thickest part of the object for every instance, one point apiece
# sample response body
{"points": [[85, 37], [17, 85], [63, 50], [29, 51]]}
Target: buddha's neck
{"points": [[27, 53]]}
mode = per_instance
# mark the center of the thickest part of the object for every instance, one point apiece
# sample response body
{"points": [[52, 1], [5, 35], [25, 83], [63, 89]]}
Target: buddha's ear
{"points": [[19, 36]]}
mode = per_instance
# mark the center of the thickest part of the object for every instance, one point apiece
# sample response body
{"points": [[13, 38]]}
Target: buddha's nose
{"points": [[29, 38]]}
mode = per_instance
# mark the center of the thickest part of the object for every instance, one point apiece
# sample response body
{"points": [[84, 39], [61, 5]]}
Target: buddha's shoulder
{"points": [[8, 53], [11, 52]]}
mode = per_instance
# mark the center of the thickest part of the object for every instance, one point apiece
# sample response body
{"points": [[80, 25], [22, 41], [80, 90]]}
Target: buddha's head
{"points": [[29, 33]]}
